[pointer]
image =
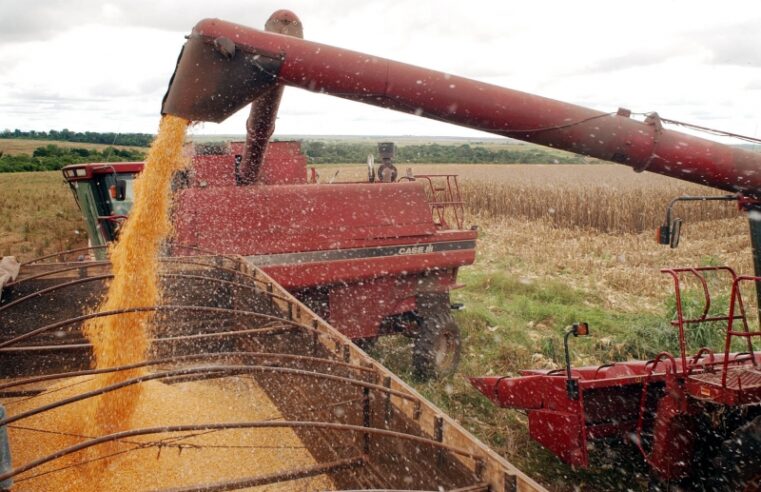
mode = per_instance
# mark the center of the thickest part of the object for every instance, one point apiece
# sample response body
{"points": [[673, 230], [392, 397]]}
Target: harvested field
{"points": [[13, 146], [623, 270], [38, 215]]}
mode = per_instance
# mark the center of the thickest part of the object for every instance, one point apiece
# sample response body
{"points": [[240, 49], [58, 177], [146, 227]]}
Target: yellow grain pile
{"points": [[138, 463]]}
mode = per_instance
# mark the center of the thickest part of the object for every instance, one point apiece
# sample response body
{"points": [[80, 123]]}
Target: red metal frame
{"points": [[663, 395], [702, 380], [680, 321], [736, 299], [443, 193], [370, 248]]}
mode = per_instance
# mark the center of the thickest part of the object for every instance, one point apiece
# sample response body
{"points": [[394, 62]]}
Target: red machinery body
{"points": [[608, 404], [357, 253], [662, 405], [263, 60]]}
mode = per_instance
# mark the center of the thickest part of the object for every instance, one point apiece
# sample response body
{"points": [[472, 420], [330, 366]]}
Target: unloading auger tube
{"points": [[225, 66]]}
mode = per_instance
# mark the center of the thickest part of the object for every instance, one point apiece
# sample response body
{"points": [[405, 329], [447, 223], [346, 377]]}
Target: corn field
{"points": [[605, 198]]}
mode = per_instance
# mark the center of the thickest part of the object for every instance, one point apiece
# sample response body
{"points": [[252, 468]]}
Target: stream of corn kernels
{"points": [[124, 339]]}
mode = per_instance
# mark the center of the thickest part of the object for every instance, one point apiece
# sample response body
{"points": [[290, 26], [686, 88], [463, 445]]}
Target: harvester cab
{"points": [[104, 195]]}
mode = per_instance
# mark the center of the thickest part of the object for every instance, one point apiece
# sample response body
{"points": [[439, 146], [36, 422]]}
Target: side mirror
{"points": [[572, 385], [121, 190], [668, 234]]}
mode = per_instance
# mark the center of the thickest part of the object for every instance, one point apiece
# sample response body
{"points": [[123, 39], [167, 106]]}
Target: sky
{"points": [[102, 65]]}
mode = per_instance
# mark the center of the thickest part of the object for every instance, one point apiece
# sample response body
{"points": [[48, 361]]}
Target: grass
{"points": [[38, 215], [14, 146], [510, 324]]}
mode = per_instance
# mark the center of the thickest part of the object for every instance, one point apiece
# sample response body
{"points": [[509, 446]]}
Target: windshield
{"points": [[117, 206]]}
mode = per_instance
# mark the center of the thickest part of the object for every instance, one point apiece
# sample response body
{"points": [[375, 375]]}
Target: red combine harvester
{"points": [[695, 418], [683, 411], [373, 258]]}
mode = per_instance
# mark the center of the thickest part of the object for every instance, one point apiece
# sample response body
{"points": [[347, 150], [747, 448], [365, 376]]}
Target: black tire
{"points": [[655, 484], [366, 344], [738, 465], [436, 352]]}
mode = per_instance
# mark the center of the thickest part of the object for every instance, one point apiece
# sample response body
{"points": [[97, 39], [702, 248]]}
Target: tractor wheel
{"points": [[436, 352], [366, 344], [738, 465]]}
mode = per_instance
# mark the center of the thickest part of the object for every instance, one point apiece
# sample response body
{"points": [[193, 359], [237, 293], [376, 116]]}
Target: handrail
{"points": [[441, 204], [736, 295], [680, 322], [698, 356]]}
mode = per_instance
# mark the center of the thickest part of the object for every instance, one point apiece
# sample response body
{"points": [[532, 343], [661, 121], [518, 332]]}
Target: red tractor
{"points": [[681, 411]]}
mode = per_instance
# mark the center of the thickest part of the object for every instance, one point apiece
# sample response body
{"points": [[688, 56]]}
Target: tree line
{"points": [[319, 152], [66, 135], [52, 158]]}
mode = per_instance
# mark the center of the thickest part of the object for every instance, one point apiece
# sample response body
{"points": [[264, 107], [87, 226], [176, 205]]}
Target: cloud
{"points": [[37, 96], [737, 46], [42, 20], [104, 65], [753, 85], [632, 60]]}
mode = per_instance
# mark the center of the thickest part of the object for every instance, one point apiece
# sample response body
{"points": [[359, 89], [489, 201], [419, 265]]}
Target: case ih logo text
{"points": [[416, 250]]}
